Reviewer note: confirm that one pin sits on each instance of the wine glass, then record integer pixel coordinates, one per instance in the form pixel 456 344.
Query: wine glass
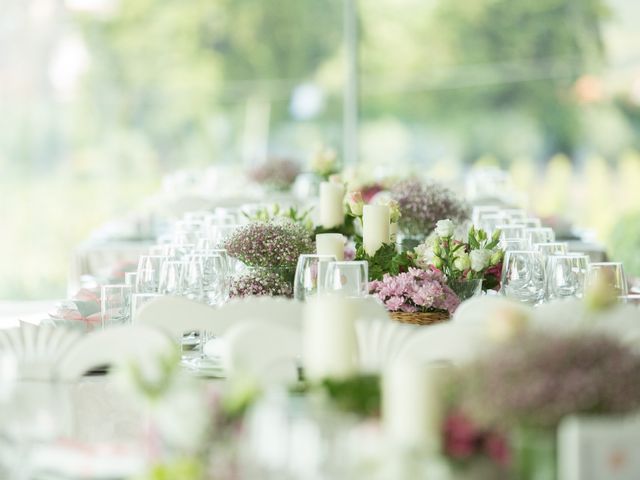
pixel 531 222
pixel 566 276
pixel 523 276
pixel 311 272
pixel 170 282
pixel 509 232
pixel 514 244
pixel 610 274
pixel 540 235
pixel 115 305
pixel 206 278
pixel 348 278
pixel 148 273
pixel 551 248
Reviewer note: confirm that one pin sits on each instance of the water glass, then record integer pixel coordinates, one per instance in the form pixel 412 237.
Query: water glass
pixel 610 274
pixel 131 278
pixel 218 234
pixel 540 235
pixel 514 244
pixel 490 222
pixel 566 276
pixel 551 248
pixel 479 212
pixel 509 232
pixel 531 222
pixel 523 276
pixel 170 282
pixel 348 278
pixel 311 273
pixel 148 273
pixel 116 305
pixel 514 215
pixel 206 278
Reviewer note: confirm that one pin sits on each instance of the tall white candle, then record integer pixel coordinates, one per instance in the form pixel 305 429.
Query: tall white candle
pixel 330 244
pixel 411 405
pixel 331 204
pixel 329 337
pixel 375 227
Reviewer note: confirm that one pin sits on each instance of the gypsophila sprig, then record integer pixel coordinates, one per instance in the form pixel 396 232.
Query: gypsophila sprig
pixel 538 381
pixel 270 244
pixel 415 291
pixel 423 204
pixel 260 282
pixel 277 173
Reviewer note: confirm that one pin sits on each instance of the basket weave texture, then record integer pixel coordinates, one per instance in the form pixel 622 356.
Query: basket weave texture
pixel 420 318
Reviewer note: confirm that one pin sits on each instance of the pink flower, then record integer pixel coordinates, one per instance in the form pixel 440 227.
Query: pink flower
pixel 394 303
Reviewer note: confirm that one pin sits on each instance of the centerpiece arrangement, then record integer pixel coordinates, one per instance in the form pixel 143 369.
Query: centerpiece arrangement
pixel 276 173
pixel 469 263
pixel 270 251
pixel 422 205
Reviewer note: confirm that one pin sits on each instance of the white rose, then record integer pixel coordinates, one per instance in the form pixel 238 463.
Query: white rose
pixel 462 262
pixel 424 255
pixel 480 259
pixel 444 228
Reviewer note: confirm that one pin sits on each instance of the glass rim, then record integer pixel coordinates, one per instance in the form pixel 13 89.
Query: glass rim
pixel 316 255
pixel 351 262
pixel 115 285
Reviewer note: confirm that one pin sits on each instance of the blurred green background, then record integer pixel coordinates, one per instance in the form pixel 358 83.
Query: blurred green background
pixel 100 98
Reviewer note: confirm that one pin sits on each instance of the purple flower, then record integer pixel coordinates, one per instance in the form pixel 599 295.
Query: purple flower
pixel 260 282
pixel 422 205
pixel 415 291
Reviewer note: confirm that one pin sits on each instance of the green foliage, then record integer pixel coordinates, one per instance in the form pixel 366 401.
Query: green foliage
pixel 348 228
pixel 267 214
pixel 386 260
pixel 180 469
pixel 624 243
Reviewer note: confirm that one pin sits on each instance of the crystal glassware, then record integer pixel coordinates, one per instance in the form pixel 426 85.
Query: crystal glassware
pixel 552 248
pixel 116 305
pixel 610 274
pixel 566 276
pixel 509 232
pixel 170 282
pixel 540 235
pixel 311 272
pixel 348 278
pixel 523 276
pixel 148 273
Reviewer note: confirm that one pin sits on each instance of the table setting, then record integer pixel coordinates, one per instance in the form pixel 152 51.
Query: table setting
pixel 395 330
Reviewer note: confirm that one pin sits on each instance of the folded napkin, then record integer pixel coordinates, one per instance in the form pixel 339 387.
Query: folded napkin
pixel 83 310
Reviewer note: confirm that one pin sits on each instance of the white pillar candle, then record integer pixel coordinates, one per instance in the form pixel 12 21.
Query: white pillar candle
pixel 375 227
pixel 411 406
pixel 331 204
pixel 330 244
pixel 329 337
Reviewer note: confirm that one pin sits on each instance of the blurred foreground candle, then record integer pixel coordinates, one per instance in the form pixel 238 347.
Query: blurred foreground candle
pixel 375 227
pixel 329 339
pixel 331 204
pixel 330 244
pixel 411 405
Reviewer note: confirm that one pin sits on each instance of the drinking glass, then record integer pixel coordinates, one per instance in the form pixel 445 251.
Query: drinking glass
pixel 514 215
pixel 551 248
pixel 491 221
pixel 116 305
pixel 523 276
pixel 481 211
pixel 610 274
pixel 206 278
pixel 514 244
pixel 218 234
pixel 131 278
pixel 311 273
pixel 509 232
pixel 170 281
pixel 148 273
pixel 566 276
pixel 138 300
pixel 349 278
pixel 540 235
pixel 531 222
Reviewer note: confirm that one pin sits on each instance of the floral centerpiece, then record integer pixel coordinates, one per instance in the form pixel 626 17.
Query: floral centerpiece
pixel 416 291
pixel 422 205
pixel 467 262
pixel 270 250
pixel 276 173
pixel 527 387
pixel 325 163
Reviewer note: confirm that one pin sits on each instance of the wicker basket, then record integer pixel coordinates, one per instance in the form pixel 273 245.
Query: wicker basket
pixel 420 318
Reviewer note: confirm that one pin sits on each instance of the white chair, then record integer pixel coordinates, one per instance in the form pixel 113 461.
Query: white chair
pixel 176 315
pixel 268 352
pixel 113 346
pixel 381 341
pixel 445 342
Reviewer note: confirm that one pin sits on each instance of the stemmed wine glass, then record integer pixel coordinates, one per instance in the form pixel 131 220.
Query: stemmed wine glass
pixel 523 276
